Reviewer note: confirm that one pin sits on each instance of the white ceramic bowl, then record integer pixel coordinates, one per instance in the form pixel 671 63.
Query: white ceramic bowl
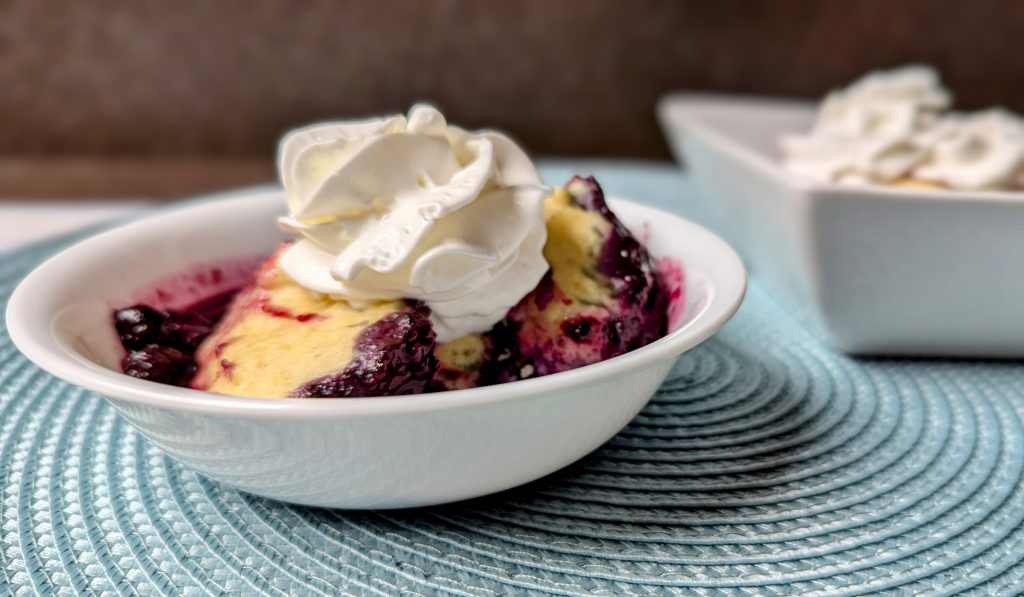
pixel 349 453
pixel 878 270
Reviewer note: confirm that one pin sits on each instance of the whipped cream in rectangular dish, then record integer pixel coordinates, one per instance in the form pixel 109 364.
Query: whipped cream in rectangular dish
pixel 896 128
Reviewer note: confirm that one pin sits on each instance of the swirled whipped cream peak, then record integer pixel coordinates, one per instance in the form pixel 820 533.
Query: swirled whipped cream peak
pixel 409 207
pixel 894 127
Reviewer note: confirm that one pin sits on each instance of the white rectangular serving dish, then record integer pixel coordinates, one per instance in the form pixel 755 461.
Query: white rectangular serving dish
pixel 875 270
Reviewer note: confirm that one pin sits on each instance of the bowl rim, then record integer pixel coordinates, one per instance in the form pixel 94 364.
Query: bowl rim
pixel 727 292
pixel 681 114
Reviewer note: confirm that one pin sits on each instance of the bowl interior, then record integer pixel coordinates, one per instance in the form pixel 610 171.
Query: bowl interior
pixel 175 258
pixel 61 314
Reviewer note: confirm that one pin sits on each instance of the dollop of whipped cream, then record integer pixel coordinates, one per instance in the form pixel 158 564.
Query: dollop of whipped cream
pixel 871 131
pixel 981 150
pixel 412 208
pixel 894 125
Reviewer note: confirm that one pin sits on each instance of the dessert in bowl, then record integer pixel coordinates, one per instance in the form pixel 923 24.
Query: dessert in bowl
pixel 896 128
pixel 602 296
pixel 433 445
pixel 877 253
pixel 429 258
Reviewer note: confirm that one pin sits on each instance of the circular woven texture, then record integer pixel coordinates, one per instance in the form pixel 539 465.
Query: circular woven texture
pixel 765 465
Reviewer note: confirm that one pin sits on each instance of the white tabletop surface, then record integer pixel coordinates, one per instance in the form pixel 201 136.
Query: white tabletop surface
pixel 23 221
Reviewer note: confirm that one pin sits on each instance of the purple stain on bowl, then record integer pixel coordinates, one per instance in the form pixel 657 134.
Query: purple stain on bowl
pixel 182 290
pixel 673 277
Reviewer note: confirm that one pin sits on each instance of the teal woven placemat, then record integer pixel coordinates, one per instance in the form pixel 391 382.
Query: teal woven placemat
pixel 765 465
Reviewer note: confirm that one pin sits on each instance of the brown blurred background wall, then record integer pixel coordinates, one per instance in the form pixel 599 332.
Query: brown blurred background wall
pixel 142 97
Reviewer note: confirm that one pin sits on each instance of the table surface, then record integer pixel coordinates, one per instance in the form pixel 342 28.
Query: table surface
pixel 766 464
pixel 24 221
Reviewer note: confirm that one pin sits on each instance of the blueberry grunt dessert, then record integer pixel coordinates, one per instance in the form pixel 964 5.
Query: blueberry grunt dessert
pixel 427 258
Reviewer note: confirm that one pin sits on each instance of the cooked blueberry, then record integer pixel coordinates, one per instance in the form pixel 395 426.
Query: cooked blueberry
pixel 589 195
pixel 139 325
pixel 505 359
pixel 161 344
pixel 185 330
pixel 578 328
pixel 161 364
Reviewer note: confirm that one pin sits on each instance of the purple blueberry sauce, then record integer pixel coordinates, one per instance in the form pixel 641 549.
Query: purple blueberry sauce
pixel 544 292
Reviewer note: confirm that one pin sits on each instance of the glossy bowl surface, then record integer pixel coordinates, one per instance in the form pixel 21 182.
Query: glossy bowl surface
pixel 349 453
